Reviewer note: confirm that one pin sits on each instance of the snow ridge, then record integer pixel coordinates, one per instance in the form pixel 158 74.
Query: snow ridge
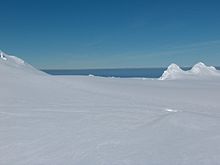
pixel 12 59
pixel 199 70
pixel 172 71
pixel 14 65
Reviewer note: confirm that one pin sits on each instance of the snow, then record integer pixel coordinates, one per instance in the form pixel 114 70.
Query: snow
pixel 2 56
pixel 171 110
pixel 93 120
pixel 13 65
pixel 172 72
pixel 198 71
pixel 201 68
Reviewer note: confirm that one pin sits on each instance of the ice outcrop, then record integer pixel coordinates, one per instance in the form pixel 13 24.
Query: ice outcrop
pixel 14 65
pixel 198 71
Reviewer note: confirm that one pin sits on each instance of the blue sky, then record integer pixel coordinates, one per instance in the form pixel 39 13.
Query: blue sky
pixel 75 34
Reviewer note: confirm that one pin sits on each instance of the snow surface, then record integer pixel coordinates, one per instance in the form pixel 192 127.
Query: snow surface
pixel 198 71
pixel 66 120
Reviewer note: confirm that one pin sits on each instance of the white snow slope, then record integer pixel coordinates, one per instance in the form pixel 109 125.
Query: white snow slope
pixel 66 120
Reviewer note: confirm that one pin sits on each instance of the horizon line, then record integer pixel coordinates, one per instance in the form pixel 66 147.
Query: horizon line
pixel 186 67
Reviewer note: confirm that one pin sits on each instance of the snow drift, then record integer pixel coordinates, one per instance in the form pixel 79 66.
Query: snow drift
pixel 198 71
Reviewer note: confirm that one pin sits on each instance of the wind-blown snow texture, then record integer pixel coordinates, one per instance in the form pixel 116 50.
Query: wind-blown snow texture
pixel 92 120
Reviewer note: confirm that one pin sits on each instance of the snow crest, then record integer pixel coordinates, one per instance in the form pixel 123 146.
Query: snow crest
pixel 199 70
pixel 17 60
pixel 14 65
pixel 172 71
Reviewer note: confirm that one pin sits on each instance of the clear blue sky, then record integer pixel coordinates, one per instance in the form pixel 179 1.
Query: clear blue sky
pixel 111 33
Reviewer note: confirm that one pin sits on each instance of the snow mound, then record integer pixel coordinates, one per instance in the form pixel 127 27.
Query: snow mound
pixel 198 71
pixel 201 68
pixel 14 65
pixel 172 72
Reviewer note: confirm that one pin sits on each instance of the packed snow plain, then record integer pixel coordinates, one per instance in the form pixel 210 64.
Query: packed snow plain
pixel 89 120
